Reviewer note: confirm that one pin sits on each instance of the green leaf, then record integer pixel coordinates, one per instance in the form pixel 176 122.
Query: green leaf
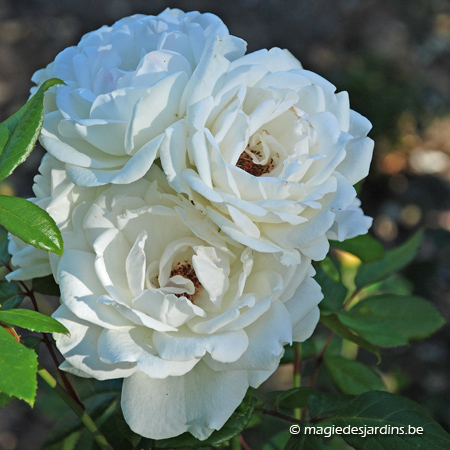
pixel 318 403
pixel 4 399
pixel 30 223
pixel 277 442
pixel 32 342
pixel 19 133
pixel 117 430
pixel 293 398
pixel 365 247
pixel 10 295
pixel 371 272
pixel 4 242
pixel 352 377
pixel 100 407
pixel 18 367
pixel 381 409
pixel 391 320
pixel 334 292
pixel 32 320
pixel 304 441
pixel 235 424
pixel 333 322
pixel 46 285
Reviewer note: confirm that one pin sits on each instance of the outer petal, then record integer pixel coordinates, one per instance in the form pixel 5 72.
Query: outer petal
pixel 79 348
pixel 199 402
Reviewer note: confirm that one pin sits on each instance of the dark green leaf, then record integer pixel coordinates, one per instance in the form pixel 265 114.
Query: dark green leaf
pixel 277 442
pixel 235 424
pixel 352 377
pixel 4 242
pixel 318 403
pixel 116 430
pixel 4 399
pixel 32 342
pixel 391 320
pixel 371 272
pixel 19 133
pixel 293 398
pixel 365 247
pixel 333 322
pixel 304 441
pixel 32 320
pixel 334 292
pixel 68 443
pixel 381 409
pixel 30 223
pixel 18 367
pixel 100 407
pixel 10 295
pixel 46 285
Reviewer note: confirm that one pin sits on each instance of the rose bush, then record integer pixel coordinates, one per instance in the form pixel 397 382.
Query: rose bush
pixel 153 293
pixel 193 186
pixel 125 84
pixel 270 152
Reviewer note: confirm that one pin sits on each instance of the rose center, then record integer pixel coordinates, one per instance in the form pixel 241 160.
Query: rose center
pixel 186 271
pixel 251 165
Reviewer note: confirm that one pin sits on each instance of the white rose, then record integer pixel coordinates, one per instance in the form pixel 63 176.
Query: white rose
pixel 152 293
pixel 126 84
pixel 270 153
pixel 56 194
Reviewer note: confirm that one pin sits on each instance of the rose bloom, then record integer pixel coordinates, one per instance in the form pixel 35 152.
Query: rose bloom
pixel 58 195
pixel 154 294
pixel 126 84
pixel 269 152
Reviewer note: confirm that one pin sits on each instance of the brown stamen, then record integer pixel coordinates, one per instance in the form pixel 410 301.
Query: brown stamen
pixel 245 162
pixel 186 271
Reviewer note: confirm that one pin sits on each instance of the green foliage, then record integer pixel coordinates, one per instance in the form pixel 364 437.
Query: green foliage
pixel 391 320
pixel 373 414
pixel 18 367
pixel 333 322
pixel 352 309
pixel 4 254
pixel 304 442
pixel 46 285
pixel 352 377
pixel 32 320
pixel 394 260
pixel 19 133
pixel 11 295
pixel 365 247
pixel 378 409
pixel 334 292
pixel 101 405
pixel 4 399
pixel 30 223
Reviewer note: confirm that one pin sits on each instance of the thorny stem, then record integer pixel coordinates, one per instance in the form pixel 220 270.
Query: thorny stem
pixel 76 408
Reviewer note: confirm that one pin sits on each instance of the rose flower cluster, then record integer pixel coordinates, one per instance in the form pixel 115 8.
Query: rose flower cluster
pixel 193 184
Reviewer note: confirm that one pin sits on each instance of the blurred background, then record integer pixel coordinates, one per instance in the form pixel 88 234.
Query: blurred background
pixel 392 56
